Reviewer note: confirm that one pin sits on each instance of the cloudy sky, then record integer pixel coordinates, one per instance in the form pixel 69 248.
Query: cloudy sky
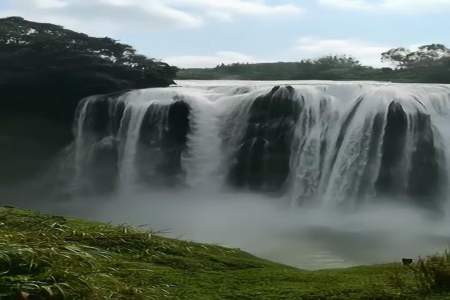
pixel 204 33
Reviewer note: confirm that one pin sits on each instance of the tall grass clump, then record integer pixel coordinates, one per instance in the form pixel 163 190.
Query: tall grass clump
pixel 432 274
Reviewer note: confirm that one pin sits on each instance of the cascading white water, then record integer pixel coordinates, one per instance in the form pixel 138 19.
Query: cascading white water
pixel 201 160
pixel 335 142
pixel 249 165
pixel 130 135
pixel 79 144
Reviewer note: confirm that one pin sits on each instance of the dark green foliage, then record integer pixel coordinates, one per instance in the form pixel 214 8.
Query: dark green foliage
pixel 433 273
pixel 28 143
pixel 427 278
pixel 47 69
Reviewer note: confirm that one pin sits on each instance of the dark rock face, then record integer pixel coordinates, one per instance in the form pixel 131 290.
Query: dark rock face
pixel 392 163
pixel 427 173
pixel 262 160
pixel 103 166
pixel 117 113
pixel 424 179
pixel 98 117
pixel 100 133
pixel 162 141
pixel 103 116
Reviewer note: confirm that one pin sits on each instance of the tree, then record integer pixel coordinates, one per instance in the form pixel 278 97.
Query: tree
pixel 47 69
pixel 424 56
pixel 397 56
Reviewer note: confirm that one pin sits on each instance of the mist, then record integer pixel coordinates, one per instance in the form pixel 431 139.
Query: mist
pixel 305 237
pixel 314 175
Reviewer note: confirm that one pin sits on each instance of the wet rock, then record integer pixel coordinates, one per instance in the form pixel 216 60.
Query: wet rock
pixel 162 141
pixel 426 175
pixel 262 160
pixel 103 116
pixel 416 169
pixel 102 167
pixel 389 180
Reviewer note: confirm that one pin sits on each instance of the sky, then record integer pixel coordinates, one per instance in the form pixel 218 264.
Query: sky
pixel 204 33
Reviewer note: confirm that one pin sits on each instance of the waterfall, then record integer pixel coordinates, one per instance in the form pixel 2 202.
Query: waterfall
pixel 202 159
pixel 129 134
pixel 317 143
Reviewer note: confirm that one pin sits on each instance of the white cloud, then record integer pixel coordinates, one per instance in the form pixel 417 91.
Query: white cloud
pixel 242 7
pixel 396 6
pixel 347 4
pixel 209 61
pixel 105 17
pixel 367 53
pixel 228 10
pixel 304 48
pixel 49 3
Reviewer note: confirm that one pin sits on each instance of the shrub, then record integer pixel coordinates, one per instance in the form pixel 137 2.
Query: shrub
pixel 432 274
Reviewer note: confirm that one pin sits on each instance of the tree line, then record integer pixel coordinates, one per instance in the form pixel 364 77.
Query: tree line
pixel 428 64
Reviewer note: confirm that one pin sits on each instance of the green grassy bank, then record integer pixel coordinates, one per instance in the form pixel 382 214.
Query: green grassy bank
pixel 53 257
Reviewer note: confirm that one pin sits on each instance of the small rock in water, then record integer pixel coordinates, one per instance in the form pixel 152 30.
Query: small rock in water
pixel 407 261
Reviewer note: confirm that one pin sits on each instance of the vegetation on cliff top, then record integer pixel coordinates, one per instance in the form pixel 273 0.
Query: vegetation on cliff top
pixel 53 257
pixel 428 64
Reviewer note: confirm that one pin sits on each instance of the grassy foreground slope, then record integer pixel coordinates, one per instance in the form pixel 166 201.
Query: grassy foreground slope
pixel 53 257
